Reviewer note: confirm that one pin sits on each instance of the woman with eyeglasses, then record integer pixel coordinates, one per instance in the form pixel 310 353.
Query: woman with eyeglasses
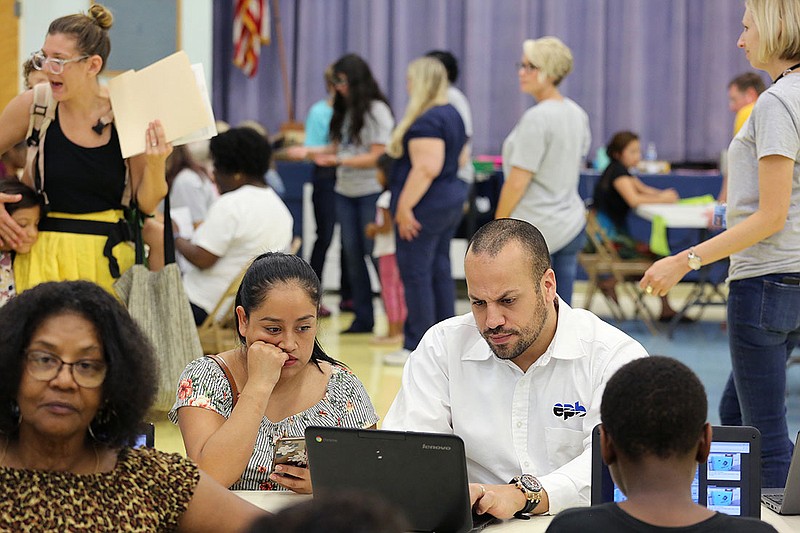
pixel 77 377
pixel 85 179
pixel 542 158
pixel 361 125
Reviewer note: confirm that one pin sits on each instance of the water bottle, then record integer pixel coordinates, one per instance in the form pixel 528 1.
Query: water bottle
pixel 651 158
pixel 651 154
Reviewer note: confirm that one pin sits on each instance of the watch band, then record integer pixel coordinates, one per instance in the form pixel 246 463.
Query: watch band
pixel 532 495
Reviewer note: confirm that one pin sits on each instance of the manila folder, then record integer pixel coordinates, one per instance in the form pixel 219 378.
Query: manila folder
pixel 167 91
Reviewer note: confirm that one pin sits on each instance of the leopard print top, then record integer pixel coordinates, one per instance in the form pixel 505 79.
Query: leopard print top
pixel 148 490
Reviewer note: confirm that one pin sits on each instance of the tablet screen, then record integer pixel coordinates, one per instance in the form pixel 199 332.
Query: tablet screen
pixel 728 482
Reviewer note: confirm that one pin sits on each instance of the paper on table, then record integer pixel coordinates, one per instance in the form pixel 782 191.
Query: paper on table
pixel 168 91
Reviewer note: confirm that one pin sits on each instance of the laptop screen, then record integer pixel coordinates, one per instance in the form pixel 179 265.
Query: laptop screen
pixel 728 482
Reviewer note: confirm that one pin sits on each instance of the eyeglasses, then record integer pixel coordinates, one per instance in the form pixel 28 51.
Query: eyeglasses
pixel 527 67
pixel 87 373
pixel 340 81
pixel 39 61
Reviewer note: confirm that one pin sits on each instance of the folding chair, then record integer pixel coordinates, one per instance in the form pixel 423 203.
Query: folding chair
pixel 218 331
pixel 622 270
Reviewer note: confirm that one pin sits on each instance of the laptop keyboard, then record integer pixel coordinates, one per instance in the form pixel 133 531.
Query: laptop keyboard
pixel 777 498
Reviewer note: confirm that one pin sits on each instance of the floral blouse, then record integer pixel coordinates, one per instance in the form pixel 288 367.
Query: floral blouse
pixel 345 404
pixel 7 289
pixel 147 490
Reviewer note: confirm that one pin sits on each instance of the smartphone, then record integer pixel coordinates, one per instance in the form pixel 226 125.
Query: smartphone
pixel 290 451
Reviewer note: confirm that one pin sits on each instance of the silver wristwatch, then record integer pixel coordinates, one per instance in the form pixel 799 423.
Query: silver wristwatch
pixel 694 260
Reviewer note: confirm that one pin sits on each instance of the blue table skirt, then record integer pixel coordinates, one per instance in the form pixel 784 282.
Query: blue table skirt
pixel 687 183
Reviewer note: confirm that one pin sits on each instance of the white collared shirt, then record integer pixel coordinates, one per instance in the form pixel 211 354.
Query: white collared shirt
pixel 537 422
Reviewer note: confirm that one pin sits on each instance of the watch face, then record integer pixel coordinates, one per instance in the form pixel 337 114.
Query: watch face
pixel 530 483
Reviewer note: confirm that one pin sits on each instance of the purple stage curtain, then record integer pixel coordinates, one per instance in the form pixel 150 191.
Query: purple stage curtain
pixel 657 67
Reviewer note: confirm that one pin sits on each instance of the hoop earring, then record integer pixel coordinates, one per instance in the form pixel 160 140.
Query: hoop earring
pixel 16 413
pixel 102 418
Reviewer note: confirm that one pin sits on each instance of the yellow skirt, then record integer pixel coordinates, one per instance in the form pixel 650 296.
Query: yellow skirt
pixel 60 256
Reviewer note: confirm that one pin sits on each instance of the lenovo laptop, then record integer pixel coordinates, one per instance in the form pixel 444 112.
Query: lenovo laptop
pixel 422 474
pixel 728 482
pixel 786 501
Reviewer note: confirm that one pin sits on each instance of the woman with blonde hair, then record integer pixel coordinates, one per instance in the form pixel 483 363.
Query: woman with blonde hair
pixel 542 159
pixel 762 239
pixel 427 198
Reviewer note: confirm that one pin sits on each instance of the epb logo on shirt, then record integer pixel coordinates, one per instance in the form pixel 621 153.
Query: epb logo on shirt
pixel 568 410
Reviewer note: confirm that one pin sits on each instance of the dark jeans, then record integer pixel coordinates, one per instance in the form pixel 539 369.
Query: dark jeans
pixel 427 277
pixel 353 215
pixel 324 200
pixel 764 328
pixel 565 265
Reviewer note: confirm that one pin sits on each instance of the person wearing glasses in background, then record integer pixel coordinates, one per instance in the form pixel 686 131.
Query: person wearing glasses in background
pixel 542 158
pixel 361 126
pixel 78 377
pixel 86 176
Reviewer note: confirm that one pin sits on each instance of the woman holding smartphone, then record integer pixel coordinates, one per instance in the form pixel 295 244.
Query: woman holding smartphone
pixel 762 239
pixel 235 408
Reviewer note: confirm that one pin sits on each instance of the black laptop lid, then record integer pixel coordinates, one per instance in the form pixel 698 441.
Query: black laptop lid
pixel 423 474
pixel 728 482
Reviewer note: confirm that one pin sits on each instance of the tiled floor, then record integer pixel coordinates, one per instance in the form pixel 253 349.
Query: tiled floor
pixel 703 346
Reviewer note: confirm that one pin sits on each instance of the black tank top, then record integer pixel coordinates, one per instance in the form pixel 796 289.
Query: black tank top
pixel 82 180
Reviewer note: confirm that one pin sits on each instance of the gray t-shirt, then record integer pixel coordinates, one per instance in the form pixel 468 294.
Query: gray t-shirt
pixel 378 125
pixel 460 102
pixel 551 140
pixel 772 129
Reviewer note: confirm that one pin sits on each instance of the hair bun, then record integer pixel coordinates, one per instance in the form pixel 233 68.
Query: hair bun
pixel 101 16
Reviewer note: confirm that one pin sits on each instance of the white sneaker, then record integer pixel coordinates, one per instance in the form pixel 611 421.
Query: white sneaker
pixel 397 358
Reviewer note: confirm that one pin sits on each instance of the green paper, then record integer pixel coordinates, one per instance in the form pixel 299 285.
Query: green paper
pixel 658 237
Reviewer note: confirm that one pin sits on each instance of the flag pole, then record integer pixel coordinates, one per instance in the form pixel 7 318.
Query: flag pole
pixel 287 90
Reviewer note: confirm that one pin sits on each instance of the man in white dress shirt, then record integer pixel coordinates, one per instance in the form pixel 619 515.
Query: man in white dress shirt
pixel 519 379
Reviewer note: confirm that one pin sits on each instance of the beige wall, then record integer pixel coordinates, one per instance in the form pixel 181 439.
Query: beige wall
pixel 9 39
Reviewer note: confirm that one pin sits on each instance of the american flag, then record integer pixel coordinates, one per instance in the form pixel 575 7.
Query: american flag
pixel 250 30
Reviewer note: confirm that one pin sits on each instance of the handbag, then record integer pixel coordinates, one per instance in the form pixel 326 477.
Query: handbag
pixel 159 305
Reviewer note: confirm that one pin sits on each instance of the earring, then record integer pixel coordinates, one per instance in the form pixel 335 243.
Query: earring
pixel 16 413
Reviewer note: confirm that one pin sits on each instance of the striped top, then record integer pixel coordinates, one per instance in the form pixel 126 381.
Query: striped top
pixel 345 404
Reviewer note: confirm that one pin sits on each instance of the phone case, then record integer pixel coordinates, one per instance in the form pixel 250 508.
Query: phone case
pixel 291 451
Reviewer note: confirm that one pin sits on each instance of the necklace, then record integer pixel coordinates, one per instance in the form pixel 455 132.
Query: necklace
pixel 94 448
pixel 785 72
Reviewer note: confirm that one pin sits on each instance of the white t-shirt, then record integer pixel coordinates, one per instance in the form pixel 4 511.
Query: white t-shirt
pixel 384 242
pixel 772 129
pixel 537 422
pixel 190 189
pixel 460 102
pixel 240 225
pixel 551 140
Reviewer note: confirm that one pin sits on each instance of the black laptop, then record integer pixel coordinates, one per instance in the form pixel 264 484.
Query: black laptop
pixel 786 501
pixel 423 474
pixel 728 482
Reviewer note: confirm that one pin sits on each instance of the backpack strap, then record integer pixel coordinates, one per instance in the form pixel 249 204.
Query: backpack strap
pixel 43 112
pixel 224 366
